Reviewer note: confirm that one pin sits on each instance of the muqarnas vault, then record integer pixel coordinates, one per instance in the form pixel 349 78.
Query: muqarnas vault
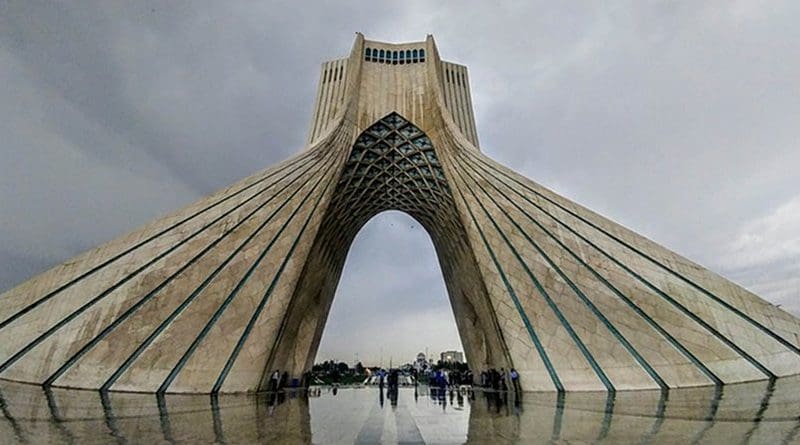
pixel 215 296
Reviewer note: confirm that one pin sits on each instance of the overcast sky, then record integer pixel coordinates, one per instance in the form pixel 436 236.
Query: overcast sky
pixel 680 120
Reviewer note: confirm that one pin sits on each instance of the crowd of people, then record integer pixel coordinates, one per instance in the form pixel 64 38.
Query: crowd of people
pixel 392 379
pixel 496 380
pixel 490 379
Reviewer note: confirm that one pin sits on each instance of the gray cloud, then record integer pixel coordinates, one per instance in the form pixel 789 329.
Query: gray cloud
pixel 678 120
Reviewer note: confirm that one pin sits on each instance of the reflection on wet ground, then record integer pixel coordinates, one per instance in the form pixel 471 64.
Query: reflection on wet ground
pixel 754 413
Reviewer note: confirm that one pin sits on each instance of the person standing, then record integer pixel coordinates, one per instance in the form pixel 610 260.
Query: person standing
pixel 515 380
pixel 273 381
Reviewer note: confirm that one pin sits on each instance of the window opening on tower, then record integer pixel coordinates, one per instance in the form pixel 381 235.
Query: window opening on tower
pixel 401 57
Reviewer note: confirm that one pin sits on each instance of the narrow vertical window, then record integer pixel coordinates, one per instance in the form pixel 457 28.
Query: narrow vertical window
pixel 394 57
pixel 416 56
pixel 402 57
pixel 422 55
pixel 408 56
pixel 368 54
pixel 381 57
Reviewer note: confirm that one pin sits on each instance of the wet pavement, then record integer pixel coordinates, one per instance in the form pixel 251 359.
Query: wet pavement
pixel 754 413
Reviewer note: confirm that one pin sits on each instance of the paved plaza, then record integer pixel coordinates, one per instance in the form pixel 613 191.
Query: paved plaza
pixel 745 413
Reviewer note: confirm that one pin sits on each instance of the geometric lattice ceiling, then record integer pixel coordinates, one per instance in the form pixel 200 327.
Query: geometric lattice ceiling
pixel 393 166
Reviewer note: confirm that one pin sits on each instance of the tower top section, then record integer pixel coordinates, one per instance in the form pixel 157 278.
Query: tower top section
pixel 378 78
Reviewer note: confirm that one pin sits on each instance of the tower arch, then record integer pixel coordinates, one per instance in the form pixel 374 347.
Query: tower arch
pixel 393 165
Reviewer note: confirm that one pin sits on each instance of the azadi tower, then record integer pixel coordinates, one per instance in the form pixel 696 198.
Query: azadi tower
pixel 216 296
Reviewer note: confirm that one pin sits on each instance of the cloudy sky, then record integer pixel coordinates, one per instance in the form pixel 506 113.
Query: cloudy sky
pixel 680 120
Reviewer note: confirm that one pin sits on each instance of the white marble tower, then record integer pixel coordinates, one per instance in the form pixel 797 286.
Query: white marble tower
pixel 217 295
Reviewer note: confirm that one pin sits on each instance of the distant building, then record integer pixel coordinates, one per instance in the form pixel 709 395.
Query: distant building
pixel 452 357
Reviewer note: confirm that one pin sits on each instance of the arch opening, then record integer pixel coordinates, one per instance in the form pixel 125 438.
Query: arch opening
pixel 391 302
